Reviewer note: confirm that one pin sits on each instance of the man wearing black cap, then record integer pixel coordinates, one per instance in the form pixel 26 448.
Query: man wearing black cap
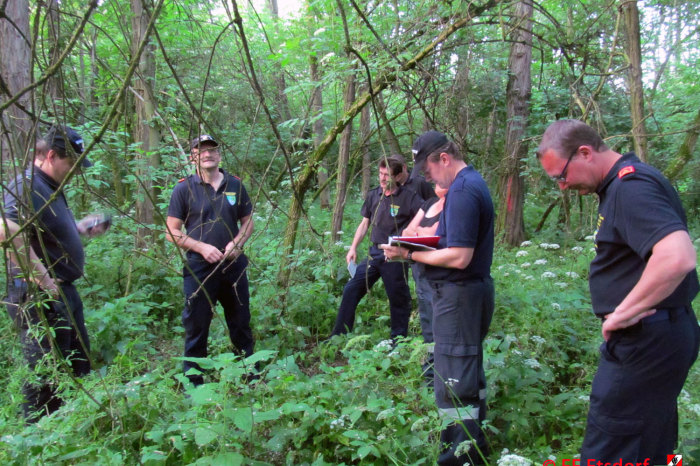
pixel 215 210
pixel 42 300
pixel 459 272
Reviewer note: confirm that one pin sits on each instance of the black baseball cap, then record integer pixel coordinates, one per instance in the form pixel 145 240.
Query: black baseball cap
pixel 196 142
pixel 424 145
pixel 56 139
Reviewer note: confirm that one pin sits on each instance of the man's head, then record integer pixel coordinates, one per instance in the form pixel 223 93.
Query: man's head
pixel 574 155
pixel 424 145
pixel 204 152
pixel 58 151
pixel 442 164
pixel 402 176
pixel 389 169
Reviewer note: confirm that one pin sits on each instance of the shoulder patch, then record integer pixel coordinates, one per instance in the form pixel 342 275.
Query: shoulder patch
pixel 236 177
pixel 624 171
pixel 181 180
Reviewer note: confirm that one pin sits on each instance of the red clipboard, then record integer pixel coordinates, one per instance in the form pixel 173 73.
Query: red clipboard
pixel 415 243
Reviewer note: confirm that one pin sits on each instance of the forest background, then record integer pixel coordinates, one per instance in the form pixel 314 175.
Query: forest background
pixel 304 105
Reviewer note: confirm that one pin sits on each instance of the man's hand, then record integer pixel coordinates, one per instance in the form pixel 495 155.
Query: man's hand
pixel 393 252
pixel 351 256
pixel 232 251
pixel 93 225
pixel 50 286
pixel 613 322
pixel 210 253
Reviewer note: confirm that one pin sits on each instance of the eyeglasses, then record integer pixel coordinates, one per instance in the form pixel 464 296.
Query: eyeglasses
pixel 561 178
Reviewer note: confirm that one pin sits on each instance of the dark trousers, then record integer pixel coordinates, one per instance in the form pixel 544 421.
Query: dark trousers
pixel 642 369
pixel 58 328
pixel 393 274
pixel 462 315
pixel 227 285
pixel 424 296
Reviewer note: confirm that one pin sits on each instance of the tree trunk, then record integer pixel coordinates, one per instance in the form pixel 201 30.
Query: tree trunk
pixel 55 83
pixel 633 48
pixel 146 133
pixel 365 131
pixel 341 185
pixel 283 102
pixel 15 63
pixel 510 220
pixel 318 130
pixel 685 151
pixel 391 138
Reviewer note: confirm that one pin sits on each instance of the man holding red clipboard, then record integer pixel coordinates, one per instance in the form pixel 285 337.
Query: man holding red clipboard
pixel 459 272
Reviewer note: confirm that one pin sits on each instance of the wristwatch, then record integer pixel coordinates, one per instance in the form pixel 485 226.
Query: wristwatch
pixel 410 255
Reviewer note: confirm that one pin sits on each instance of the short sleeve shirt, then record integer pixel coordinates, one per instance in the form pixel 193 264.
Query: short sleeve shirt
pixel 638 207
pixel 54 237
pixel 423 188
pixel 389 214
pixel 466 221
pixel 210 216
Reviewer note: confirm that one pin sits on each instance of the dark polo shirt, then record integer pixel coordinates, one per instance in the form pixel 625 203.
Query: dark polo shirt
pixel 53 235
pixel 389 215
pixel 210 216
pixel 466 221
pixel 638 208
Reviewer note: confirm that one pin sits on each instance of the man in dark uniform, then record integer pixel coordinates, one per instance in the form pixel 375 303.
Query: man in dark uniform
pixel 387 210
pixel 42 300
pixel 459 272
pixel 214 208
pixel 642 282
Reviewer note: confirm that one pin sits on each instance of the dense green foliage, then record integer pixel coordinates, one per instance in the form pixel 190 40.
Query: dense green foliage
pixel 351 400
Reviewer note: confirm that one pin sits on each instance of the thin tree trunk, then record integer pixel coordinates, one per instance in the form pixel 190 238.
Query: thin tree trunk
pixel 343 158
pixel 510 220
pixel 685 151
pixel 633 48
pixel 318 130
pixel 15 63
pixel 283 102
pixel 55 83
pixel 146 132
pixel 365 131
pixel 391 138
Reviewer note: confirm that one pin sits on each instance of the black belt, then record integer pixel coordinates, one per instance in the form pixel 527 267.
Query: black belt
pixel 661 315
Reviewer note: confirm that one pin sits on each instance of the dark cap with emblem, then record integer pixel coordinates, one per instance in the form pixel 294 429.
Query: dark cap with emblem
pixel 424 146
pixel 201 140
pixel 57 136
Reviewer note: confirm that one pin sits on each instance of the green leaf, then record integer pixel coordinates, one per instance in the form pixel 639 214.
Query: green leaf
pixel 243 418
pixel 204 436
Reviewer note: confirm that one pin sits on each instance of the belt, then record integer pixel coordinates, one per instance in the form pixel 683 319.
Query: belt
pixel 437 284
pixel 661 315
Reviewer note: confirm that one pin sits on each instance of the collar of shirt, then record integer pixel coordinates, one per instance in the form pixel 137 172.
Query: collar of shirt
pixel 626 159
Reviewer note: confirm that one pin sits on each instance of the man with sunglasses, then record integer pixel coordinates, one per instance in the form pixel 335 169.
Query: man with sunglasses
pixel 214 208
pixel 642 282
pixel 45 257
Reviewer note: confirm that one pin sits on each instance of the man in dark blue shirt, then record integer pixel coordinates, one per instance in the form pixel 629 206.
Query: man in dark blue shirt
pixel 459 272
pixel 642 282
pixel 387 210
pixel 36 215
pixel 215 210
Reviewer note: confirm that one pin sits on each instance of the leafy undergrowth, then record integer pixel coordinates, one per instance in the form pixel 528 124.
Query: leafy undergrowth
pixel 350 400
